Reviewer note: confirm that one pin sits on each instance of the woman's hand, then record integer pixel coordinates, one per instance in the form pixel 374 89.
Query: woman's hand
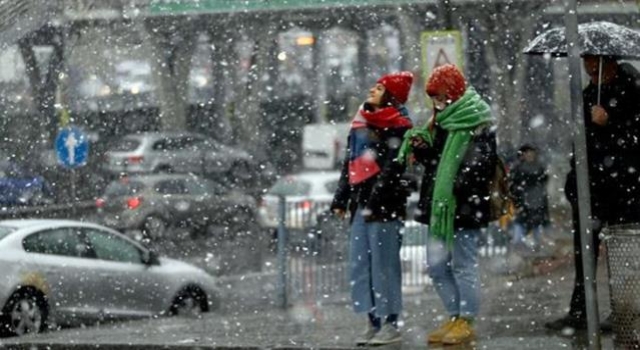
pixel 418 142
pixel 340 213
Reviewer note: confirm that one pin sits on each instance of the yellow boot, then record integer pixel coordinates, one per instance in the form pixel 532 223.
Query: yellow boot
pixel 461 332
pixel 437 335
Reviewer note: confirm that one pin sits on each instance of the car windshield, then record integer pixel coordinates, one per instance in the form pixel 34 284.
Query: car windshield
pixel 124 188
pixel 125 145
pixel 291 186
pixel 5 231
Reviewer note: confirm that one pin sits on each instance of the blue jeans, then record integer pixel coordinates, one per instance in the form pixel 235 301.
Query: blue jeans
pixel 455 272
pixel 375 269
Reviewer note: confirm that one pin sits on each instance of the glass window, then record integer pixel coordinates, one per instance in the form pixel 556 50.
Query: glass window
pixel 172 187
pixel 110 247
pixel 331 186
pixel 124 188
pixel 290 186
pixel 62 241
pixel 125 145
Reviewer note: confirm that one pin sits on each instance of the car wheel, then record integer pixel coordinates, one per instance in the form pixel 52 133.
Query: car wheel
pixel 154 228
pixel 26 313
pixel 191 302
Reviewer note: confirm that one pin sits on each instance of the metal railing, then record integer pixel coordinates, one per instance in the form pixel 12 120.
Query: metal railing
pixel 313 249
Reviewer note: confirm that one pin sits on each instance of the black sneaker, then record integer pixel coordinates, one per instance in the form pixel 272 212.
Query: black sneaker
pixel 567 321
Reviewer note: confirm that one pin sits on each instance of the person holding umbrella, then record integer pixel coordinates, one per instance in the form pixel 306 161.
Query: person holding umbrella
pixel 612 123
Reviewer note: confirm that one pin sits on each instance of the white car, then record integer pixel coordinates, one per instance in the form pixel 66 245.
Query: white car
pixel 307 194
pixel 67 272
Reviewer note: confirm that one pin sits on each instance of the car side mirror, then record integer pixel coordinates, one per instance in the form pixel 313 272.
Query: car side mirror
pixel 150 258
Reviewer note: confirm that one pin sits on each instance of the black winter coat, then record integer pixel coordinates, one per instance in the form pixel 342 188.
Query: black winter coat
pixel 613 150
pixel 471 187
pixel 384 194
pixel 528 186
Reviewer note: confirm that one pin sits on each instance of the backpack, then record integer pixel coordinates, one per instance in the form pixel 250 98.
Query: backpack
pixel 500 200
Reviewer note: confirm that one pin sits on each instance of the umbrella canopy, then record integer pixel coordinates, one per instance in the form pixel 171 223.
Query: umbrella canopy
pixel 596 38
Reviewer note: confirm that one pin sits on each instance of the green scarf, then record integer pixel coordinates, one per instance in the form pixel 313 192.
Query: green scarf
pixel 459 119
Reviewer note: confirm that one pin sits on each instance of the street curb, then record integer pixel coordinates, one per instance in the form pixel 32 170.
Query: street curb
pixel 57 346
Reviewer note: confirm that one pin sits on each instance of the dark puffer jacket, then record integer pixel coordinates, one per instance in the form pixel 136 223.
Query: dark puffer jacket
pixel 613 150
pixel 384 194
pixel 471 187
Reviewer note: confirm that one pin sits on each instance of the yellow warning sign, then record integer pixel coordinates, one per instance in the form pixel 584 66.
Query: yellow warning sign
pixel 441 47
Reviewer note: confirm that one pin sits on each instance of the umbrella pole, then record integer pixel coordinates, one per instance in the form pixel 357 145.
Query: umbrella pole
pixel 582 175
pixel 599 79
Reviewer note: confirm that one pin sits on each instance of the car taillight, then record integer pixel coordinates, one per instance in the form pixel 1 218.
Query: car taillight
pixel 134 202
pixel 135 159
pixel 100 202
pixel 305 205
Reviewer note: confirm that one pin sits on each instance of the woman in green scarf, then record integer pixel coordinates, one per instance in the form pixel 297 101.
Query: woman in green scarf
pixel 457 148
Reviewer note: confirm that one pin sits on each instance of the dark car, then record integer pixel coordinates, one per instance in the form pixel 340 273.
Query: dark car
pixel 155 203
pixel 17 187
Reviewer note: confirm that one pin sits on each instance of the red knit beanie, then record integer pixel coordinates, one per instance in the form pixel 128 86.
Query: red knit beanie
pixel 448 80
pixel 398 85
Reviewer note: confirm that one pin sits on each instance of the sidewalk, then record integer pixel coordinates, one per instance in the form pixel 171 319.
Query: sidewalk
pixel 512 317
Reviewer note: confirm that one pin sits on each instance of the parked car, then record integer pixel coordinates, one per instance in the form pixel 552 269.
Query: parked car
pixel 176 152
pixel 19 188
pixel 153 203
pixel 307 194
pixel 324 145
pixel 67 272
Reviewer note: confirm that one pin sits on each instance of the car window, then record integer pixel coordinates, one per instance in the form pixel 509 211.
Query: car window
pixel 173 144
pixel 62 241
pixel 205 144
pixel 125 145
pixel 331 186
pixel 213 187
pixel 124 188
pixel 5 231
pixel 108 246
pixel 290 186
pixel 172 187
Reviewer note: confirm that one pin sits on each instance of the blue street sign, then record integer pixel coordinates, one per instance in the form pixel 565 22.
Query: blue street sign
pixel 72 147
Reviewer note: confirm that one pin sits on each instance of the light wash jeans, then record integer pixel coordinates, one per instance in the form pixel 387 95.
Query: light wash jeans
pixel 455 272
pixel 375 269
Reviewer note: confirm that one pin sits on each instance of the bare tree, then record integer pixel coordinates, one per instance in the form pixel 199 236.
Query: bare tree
pixel 507 28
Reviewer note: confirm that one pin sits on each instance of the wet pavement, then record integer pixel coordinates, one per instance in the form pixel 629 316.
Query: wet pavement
pixel 512 317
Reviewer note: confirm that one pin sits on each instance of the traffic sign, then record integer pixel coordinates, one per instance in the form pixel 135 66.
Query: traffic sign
pixel 72 147
pixel 441 47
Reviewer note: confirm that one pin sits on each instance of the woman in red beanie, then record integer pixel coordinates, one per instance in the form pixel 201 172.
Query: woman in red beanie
pixel 458 151
pixel 370 188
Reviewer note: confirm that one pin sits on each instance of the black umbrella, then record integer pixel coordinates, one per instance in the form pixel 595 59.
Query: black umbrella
pixel 596 39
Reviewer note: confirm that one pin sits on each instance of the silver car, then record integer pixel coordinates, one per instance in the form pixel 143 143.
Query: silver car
pixel 58 272
pixel 182 152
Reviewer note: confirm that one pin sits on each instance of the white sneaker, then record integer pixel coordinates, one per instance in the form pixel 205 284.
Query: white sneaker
pixel 388 334
pixel 366 335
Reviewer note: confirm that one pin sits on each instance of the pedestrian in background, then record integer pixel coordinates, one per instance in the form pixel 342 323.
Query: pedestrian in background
pixel 612 124
pixel 458 151
pixel 528 187
pixel 372 189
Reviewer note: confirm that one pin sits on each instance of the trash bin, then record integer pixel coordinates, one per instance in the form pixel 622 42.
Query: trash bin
pixel 623 259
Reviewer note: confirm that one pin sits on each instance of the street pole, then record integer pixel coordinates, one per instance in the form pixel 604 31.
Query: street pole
pixel 582 174
pixel 282 253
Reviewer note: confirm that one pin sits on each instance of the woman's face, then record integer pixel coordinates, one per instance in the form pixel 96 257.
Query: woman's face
pixel 440 102
pixel 375 95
